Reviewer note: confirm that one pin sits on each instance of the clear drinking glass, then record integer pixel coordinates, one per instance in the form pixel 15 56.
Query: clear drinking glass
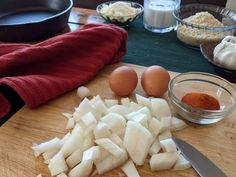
pixel 158 15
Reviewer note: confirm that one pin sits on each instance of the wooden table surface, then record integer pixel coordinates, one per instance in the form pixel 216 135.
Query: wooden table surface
pixel 217 141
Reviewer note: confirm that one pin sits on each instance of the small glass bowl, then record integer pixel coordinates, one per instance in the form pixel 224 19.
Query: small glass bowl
pixel 122 21
pixel 200 82
pixel 193 35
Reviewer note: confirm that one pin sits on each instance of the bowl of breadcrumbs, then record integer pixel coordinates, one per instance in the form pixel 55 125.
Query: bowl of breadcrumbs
pixel 203 23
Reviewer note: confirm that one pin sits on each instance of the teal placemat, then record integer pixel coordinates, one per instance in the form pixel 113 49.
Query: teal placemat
pixel 147 48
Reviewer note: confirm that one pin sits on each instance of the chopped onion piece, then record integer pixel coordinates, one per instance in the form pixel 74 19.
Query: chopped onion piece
pixel 142 119
pixel 88 141
pixel 95 99
pixel 168 145
pixel 70 123
pixel 89 121
pixel 116 139
pixel 57 164
pixel 115 122
pixel 146 111
pixel 177 124
pixel 182 163
pixel 165 122
pixel 65 138
pixel 62 175
pixel 84 107
pixel 91 154
pixel 100 108
pixel 110 162
pixel 50 145
pixel 73 143
pixel 82 170
pixel 119 109
pixel 102 155
pixel 164 135
pixel 155 147
pixel 125 102
pixel 160 108
pixel 130 115
pixel 129 169
pixel 155 126
pixel 110 102
pixel 101 130
pixel 75 158
pixel 67 115
pixel 39 175
pixel 48 155
pixel 137 142
pixel 111 147
pixel 163 161
pixel 134 106
pixel 83 92
pixel 143 101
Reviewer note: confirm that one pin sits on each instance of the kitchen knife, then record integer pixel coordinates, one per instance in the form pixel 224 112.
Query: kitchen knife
pixel 203 166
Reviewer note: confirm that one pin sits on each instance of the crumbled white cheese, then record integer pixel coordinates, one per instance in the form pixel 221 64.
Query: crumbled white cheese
pixel 120 11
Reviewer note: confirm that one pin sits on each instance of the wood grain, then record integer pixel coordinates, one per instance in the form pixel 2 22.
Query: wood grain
pixel 217 141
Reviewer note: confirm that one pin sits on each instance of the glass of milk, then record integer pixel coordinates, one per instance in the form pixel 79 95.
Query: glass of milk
pixel 158 16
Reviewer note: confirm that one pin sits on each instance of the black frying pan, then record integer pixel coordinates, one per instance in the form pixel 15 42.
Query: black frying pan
pixel 27 20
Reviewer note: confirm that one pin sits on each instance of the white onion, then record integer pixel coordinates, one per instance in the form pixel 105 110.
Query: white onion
pixel 110 102
pixel 57 164
pixel 165 135
pixel 137 142
pixel 110 146
pixel 101 130
pixel 70 123
pixel 50 145
pixel 62 175
pixel 143 101
pixel 115 122
pixel 163 161
pixel 125 101
pixel 83 92
pixel 91 154
pixel 177 124
pixel 82 170
pixel 155 147
pixel 168 145
pixel 155 126
pixel 181 163
pixel 75 158
pixel 104 122
pixel 129 169
pixel 160 108
pixel 73 143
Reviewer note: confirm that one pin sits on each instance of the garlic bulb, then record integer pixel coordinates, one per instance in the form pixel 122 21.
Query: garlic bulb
pixel 225 53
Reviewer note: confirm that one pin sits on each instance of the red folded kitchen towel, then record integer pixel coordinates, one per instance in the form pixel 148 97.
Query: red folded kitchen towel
pixel 40 72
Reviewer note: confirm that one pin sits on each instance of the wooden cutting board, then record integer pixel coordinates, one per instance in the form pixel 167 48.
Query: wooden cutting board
pixel 217 141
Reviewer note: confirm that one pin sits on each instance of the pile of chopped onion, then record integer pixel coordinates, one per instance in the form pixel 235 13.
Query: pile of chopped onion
pixel 105 135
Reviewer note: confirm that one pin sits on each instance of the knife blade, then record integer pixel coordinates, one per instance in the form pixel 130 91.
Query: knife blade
pixel 203 166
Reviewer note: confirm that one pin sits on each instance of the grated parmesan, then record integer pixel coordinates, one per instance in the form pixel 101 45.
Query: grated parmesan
pixel 120 11
pixel 195 37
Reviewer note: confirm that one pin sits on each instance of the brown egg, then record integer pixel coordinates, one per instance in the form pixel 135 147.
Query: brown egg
pixel 123 80
pixel 155 80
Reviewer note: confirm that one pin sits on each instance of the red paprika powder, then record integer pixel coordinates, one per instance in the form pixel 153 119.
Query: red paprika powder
pixel 201 100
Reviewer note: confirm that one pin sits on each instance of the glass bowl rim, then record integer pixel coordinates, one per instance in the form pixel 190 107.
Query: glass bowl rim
pixel 186 106
pixel 225 28
pixel 111 2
